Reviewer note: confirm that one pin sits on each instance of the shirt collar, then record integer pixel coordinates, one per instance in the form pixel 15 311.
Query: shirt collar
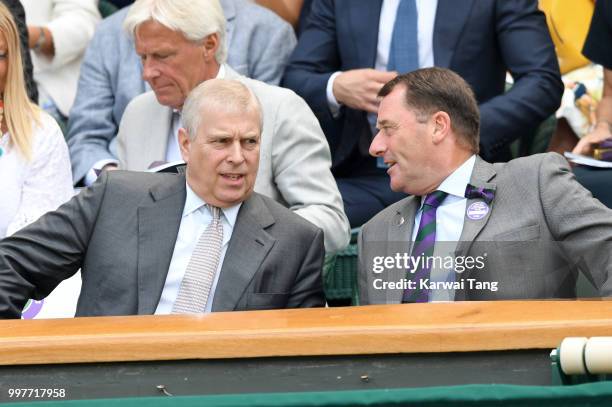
pixel 458 180
pixel 193 203
pixel 221 73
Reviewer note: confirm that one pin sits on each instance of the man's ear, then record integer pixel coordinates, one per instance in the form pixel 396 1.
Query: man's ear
pixel 210 45
pixel 184 144
pixel 441 126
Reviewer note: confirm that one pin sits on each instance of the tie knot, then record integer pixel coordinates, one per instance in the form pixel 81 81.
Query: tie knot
pixel 215 211
pixel 486 194
pixel 434 199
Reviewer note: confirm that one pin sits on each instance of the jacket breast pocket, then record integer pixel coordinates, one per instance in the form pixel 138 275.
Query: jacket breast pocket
pixel 519 246
pixel 521 234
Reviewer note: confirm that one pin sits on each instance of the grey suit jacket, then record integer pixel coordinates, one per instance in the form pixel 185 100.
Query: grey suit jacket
pixel 542 228
pixel 121 233
pixel 294 164
pixel 258 42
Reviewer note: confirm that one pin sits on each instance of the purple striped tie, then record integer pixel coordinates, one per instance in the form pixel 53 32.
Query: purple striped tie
pixel 424 247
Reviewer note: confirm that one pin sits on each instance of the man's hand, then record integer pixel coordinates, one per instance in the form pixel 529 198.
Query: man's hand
pixel 601 132
pixel 603 128
pixel 358 88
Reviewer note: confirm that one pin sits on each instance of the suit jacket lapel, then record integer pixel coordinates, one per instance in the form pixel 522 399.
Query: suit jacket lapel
pixel 400 236
pixel 481 177
pixel 451 17
pixel 248 247
pixel 365 36
pixel 156 135
pixel 402 222
pixel 158 225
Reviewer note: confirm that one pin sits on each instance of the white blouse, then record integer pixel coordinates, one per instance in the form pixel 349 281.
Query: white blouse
pixel 28 189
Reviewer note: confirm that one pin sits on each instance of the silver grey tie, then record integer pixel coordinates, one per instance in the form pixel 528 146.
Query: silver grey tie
pixel 200 273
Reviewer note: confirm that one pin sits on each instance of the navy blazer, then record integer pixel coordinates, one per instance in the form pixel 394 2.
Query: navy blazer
pixel 480 40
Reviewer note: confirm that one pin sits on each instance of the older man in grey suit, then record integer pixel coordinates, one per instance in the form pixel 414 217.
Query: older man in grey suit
pixel 472 230
pixel 295 157
pixel 259 44
pixel 166 243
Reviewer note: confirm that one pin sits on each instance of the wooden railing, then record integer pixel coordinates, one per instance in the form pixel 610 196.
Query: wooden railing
pixel 410 328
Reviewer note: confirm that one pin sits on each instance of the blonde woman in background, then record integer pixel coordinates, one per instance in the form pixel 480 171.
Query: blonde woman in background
pixel 35 172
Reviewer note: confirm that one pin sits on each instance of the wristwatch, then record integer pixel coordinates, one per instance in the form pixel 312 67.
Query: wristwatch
pixel 42 39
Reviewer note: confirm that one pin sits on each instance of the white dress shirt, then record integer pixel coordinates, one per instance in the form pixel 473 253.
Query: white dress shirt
pixel 426 11
pixel 173 151
pixel 196 217
pixel 450 217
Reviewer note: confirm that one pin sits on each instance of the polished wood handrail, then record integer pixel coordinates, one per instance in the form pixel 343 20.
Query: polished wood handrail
pixel 380 329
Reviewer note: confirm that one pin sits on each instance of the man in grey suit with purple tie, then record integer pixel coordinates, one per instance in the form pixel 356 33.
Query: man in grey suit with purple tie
pixel 472 230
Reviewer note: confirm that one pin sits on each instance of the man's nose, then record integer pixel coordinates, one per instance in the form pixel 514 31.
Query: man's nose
pixel 377 147
pixel 236 153
pixel 149 70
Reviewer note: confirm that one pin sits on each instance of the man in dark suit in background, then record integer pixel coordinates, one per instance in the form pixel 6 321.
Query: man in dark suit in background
pixel 165 243
pixel 346 53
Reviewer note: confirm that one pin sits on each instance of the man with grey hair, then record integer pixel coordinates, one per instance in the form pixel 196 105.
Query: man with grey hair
pixel 166 243
pixel 259 44
pixel 295 162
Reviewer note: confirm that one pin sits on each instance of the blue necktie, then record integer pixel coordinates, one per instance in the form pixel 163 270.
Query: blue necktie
pixel 404 51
